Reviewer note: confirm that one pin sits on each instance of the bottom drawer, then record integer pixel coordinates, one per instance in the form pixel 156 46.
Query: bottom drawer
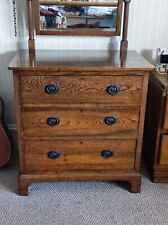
pixel 164 150
pixel 79 154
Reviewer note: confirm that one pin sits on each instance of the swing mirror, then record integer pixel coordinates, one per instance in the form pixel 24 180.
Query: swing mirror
pixel 78 17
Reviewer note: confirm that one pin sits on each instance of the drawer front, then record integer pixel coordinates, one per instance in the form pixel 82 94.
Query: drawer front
pixel 164 150
pixel 58 122
pixel 79 154
pixel 81 89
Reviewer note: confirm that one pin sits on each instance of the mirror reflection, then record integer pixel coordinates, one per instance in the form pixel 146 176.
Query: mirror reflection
pixel 77 16
pixel 103 1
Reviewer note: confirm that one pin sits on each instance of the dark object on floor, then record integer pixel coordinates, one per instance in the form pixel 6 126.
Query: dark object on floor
pixel 5 147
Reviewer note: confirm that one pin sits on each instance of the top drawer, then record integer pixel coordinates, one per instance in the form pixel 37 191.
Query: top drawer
pixel 120 90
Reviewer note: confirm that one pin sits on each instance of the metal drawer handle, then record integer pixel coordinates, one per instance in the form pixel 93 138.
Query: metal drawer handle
pixel 53 121
pixel 53 155
pixel 110 120
pixel 51 89
pixel 107 153
pixel 113 89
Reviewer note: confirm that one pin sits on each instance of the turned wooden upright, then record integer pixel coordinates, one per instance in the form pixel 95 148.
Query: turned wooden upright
pixel 124 42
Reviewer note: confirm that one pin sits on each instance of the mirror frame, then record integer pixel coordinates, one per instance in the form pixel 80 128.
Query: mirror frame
pixel 78 31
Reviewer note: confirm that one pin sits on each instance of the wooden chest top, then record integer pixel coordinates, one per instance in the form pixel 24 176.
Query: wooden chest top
pixel 81 60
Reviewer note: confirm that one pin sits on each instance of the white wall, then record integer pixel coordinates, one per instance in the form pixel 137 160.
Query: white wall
pixel 147 31
pixel 8 46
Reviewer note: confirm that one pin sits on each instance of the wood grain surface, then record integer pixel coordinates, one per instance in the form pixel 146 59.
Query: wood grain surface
pixel 80 89
pixel 85 60
pixel 80 122
pixel 165 119
pixel 79 154
pixel 155 136
pixel 134 179
pixel 164 150
pixel 81 104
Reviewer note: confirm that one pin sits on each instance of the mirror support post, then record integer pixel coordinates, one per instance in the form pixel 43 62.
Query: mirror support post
pixel 124 41
pixel 31 41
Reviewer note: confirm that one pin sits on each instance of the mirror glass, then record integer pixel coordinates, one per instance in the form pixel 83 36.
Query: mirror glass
pixel 86 14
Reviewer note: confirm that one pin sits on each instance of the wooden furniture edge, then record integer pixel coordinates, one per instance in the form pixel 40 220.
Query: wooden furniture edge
pixel 141 123
pixel 134 179
pixel 160 177
pixel 18 119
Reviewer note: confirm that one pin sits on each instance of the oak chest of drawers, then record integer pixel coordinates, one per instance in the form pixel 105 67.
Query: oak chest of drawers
pixel 80 116
pixel 155 146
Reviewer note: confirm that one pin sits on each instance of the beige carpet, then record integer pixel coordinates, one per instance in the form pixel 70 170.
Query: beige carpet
pixel 85 203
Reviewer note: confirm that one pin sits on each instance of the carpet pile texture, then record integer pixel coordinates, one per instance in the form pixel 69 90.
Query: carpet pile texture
pixel 81 203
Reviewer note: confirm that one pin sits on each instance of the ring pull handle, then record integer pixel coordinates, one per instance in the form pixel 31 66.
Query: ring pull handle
pixel 110 120
pixel 53 121
pixel 53 155
pixel 51 89
pixel 113 89
pixel 107 153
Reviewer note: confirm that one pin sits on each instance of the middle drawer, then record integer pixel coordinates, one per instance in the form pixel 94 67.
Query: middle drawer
pixel 118 122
